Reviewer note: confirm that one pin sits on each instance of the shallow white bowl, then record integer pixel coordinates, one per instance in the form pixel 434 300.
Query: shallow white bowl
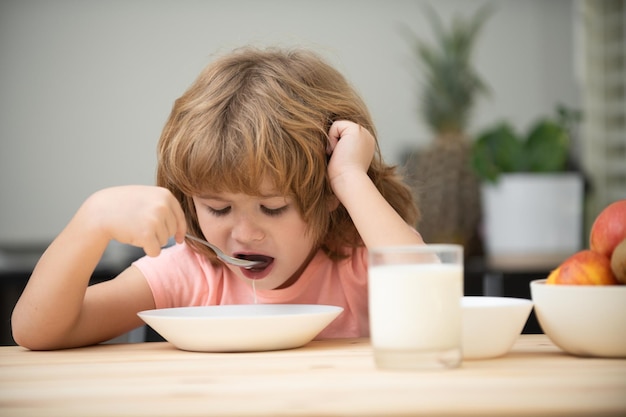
pixel 583 320
pixel 491 325
pixel 240 328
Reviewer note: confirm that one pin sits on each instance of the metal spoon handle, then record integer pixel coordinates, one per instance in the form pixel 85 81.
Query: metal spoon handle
pixel 244 263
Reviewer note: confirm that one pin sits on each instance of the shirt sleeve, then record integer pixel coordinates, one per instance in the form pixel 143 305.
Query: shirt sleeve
pixel 177 277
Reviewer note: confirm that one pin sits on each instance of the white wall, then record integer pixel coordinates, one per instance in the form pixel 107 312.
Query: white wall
pixel 86 86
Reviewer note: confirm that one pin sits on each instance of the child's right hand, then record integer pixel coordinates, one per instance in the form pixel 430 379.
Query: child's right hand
pixel 142 216
pixel 351 147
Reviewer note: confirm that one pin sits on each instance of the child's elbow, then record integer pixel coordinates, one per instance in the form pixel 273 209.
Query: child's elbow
pixel 20 335
pixel 26 336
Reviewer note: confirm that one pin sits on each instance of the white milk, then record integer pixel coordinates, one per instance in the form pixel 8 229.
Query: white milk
pixel 416 307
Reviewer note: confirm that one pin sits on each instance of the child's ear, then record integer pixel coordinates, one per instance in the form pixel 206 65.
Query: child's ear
pixel 333 203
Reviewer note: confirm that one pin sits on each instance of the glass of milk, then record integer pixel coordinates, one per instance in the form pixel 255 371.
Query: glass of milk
pixel 415 295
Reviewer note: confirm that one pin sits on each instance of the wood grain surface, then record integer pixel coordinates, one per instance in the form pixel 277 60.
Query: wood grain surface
pixel 335 378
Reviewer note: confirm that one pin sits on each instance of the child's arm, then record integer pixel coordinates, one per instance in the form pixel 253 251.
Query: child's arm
pixel 377 222
pixel 58 309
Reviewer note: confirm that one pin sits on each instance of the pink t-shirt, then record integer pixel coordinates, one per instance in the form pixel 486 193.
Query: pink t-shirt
pixel 180 277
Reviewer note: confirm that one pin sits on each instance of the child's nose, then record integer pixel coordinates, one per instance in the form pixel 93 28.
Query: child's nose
pixel 247 230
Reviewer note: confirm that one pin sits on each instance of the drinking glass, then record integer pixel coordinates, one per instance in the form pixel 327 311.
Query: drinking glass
pixel 415 295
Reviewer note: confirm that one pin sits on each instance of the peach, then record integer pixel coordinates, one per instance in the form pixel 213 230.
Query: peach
pixel 609 228
pixel 618 262
pixel 584 268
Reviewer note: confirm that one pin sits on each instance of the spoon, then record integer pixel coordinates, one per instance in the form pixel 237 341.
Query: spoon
pixel 244 263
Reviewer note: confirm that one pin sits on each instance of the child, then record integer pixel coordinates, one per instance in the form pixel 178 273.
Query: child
pixel 269 155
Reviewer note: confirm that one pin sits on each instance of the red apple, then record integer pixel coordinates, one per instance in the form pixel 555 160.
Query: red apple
pixel 618 262
pixel 609 228
pixel 584 268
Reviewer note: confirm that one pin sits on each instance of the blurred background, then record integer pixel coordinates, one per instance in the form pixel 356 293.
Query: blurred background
pixel 86 86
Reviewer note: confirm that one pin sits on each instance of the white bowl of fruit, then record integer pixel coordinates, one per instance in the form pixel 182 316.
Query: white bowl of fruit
pixel 581 306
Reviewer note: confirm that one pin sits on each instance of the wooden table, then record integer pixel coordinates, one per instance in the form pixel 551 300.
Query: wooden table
pixel 323 378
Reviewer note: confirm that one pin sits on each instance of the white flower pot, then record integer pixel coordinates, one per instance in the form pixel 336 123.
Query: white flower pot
pixel 532 220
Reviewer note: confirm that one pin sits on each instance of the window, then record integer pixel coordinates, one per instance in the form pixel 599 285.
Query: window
pixel 604 98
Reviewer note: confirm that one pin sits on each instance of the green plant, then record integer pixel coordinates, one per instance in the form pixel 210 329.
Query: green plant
pixel 499 149
pixel 445 186
pixel 451 83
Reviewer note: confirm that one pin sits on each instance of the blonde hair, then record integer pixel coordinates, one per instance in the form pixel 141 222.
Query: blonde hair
pixel 265 114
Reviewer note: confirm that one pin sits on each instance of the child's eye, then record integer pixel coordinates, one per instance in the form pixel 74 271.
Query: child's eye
pixel 274 211
pixel 219 212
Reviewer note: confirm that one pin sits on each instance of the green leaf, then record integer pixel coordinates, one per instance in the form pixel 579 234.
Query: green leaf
pixel 496 151
pixel 547 147
pixel 451 83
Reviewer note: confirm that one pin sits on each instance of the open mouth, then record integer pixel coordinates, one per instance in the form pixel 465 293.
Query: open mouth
pixel 263 261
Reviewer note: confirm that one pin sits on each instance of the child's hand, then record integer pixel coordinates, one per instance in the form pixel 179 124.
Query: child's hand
pixel 351 147
pixel 142 216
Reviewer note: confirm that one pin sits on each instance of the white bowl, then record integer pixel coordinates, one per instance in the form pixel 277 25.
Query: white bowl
pixel 240 328
pixel 583 320
pixel 491 325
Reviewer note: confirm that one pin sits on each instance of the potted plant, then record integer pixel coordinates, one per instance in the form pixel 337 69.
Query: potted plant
pixel 441 175
pixel 532 200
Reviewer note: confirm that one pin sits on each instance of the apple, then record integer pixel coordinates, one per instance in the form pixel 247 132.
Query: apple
pixel 609 228
pixel 618 262
pixel 584 268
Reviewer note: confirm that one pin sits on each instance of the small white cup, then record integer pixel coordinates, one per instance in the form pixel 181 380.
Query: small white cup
pixel 415 295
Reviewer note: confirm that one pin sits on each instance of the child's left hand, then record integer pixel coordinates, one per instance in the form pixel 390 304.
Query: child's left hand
pixel 351 147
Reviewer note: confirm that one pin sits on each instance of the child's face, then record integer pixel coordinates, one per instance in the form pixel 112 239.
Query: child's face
pixel 268 226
